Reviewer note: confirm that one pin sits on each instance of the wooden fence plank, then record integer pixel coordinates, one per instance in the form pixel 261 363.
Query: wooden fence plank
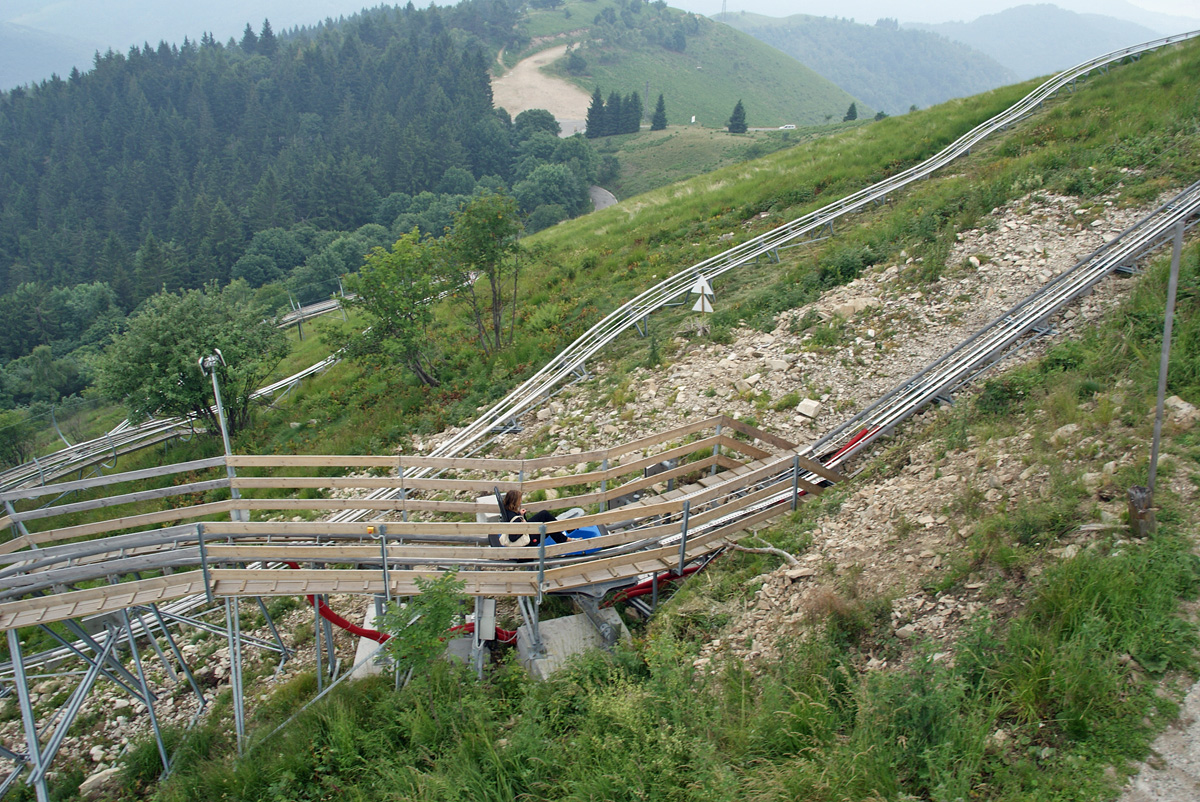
pixel 111 479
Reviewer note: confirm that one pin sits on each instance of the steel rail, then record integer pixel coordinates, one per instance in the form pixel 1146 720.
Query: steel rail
pixel 570 360
pixel 998 337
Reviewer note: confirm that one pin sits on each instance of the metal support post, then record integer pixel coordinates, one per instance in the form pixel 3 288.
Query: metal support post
pixel 89 660
pixel 683 531
pixel 716 452
pixel 69 714
pixel 32 747
pixel 147 696
pixel 403 494
pixel 541 561
pixel 795 482
pixel 233 625
pixel 316 602
pixel 18 526
pixel 187 671
pixel 654 593
pixel 330 651
pixel 604 485
pixel 383 554
pixel 1164 361
pixel 208 364
pixel 162 658
pixel 82 634
pixel 529 611
pixel 284 651
pixel 204 563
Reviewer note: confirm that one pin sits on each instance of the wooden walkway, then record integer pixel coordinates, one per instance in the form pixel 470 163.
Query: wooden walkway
pixel 102 549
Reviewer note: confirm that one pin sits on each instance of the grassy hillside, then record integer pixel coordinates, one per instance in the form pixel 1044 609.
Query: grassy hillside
pixel 715 68
pixel 1069 677
pixel 888 67
pixel 652 159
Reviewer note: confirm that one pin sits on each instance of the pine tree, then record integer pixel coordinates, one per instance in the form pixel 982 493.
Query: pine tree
pixel 267 43
pixel 851 113
pixel 737 120
pixel 631 114
pixel 595 116
pixel 659 121
pixel 249 39
pixel 612 114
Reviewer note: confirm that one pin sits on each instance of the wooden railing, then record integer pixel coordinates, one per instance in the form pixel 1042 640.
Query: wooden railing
pixel 732 477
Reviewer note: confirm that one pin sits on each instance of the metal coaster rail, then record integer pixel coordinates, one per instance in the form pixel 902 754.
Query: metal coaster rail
pixel 570 361
pixel 1004 334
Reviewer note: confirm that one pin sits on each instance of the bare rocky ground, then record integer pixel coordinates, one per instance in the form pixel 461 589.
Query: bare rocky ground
pixel 525 87
pixel 895 533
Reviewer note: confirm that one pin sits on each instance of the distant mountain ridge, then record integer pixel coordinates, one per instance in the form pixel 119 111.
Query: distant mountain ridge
pixel 888 67
pixel 1033 40
pixel 28 55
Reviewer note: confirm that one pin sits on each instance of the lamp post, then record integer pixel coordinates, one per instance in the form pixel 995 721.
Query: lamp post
pixel 208 366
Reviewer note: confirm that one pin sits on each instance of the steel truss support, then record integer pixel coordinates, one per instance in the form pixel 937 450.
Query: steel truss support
pixel 187 671
pixel 247 640
pixel 71 711
pixel 233 626
pixel 116 678
pixel 27 719
pixel 485 632
pixel 591 609
pixel 148 698
pixel 529 611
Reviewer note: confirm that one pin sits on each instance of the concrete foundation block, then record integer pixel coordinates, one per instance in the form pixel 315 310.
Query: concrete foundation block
pixel 561 638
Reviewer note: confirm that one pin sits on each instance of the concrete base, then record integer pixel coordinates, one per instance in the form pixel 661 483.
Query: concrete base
pixel 459 650
pixel 563 637
pixel 365 647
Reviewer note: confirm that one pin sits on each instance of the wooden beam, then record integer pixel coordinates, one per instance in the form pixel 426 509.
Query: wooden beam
pixel 111 479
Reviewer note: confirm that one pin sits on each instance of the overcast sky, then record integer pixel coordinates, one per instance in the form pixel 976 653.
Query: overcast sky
pixel 119 23
pixel 927 10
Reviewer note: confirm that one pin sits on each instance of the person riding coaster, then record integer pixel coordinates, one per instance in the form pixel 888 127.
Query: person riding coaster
pixel 511 511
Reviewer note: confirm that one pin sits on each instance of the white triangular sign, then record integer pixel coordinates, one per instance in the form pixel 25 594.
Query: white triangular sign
pixel 701 287
pixel 702 304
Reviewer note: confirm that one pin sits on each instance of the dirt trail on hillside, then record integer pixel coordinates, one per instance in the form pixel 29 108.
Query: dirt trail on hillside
pixel 526 87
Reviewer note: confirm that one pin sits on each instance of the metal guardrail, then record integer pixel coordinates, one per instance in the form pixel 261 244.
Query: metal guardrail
pixel 1005 333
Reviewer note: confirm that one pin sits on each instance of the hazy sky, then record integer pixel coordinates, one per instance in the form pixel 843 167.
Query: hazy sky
pixel 119 23
pixel 927 10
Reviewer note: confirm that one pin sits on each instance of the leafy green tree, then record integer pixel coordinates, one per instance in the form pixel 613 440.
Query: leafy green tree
pixel 418 628
pixel 737 120
pixel 483 245
pixel 395 287
pixel 152 367
pixel 532 121
pixel 16 438
pixel 659 121
pixel 551 183
pixel 851 113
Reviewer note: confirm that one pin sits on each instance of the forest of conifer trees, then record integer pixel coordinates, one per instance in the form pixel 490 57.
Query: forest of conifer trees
pixel 280 160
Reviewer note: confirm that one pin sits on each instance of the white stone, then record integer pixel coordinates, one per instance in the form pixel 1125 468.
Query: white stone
pixel 809 408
